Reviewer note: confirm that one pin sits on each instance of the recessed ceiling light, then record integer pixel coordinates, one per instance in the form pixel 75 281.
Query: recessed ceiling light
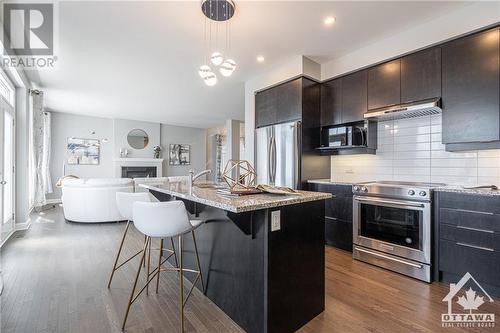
pixel 329 20
pixel 260 58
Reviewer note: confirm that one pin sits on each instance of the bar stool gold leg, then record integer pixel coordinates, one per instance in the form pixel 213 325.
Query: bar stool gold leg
pixel 148 239
pixel 118 254
pixel 144 263
pixel 149 266
pixel 198 262
pixel 181 286
pixel 159 265
pixel 175 253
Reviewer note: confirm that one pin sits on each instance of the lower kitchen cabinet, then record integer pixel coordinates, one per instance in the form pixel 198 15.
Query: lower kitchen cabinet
pixel 468 238
pixel 338 214
pixel 338 233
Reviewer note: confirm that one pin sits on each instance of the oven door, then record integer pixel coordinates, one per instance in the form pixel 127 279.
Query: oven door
pixel 398 227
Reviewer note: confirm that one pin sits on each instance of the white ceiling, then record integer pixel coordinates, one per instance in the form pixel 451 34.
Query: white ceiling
pixel 139 60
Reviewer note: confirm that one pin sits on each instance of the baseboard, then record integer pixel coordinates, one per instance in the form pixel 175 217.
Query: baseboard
pixel 23 226
pixel 7 238
pixel 54 201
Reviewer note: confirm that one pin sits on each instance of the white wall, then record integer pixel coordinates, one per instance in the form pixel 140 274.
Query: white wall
pixel 66 125
pixel 21 153
pixel 121 129
pixel 462 21
pixel 196 137
pixel 411 150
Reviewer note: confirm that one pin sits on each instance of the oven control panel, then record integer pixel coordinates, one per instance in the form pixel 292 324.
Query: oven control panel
pixel 419 193
pixel 362 189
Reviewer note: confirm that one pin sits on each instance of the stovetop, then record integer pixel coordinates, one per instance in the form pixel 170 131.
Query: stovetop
pixel 397 189
pixel 403 184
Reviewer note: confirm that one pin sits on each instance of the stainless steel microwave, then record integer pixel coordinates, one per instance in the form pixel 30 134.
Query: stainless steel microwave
pixel 346 136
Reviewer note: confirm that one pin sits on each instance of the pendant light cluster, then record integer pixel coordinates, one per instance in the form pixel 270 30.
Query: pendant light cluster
pixel 216 12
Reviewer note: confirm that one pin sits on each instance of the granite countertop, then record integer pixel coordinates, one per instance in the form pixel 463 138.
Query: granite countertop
pixel 328 182
pixel 206 194
pixel 460 189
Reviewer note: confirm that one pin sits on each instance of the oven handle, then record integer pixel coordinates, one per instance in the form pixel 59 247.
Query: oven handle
pixel 391 202
pixel 389 258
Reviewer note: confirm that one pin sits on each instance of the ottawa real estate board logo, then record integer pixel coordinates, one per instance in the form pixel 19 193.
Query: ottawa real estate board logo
pixel 28 36
pixel 469 295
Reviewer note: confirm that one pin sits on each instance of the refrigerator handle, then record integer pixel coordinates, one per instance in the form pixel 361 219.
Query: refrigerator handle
pixel 273 160
pixel 297 128
pixel 269 160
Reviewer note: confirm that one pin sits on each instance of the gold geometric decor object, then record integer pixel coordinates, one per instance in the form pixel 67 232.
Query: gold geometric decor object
pixel 245 175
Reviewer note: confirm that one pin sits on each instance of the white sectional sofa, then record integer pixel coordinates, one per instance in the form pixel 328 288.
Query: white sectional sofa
pixel 93 200
pixel 157 181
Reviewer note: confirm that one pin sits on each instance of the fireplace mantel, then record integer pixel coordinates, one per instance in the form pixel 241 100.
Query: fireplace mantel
pixel 138 159
pixel 137 162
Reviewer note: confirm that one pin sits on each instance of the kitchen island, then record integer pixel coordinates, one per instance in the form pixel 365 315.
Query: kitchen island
pixel 262 255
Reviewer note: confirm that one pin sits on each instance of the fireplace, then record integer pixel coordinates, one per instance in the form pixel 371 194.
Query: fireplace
pixel 138 172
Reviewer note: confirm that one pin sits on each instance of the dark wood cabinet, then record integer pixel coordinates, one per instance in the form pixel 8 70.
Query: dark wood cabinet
pixel 266 107
pixel 289 97
pixel 281 104
pixel 421 75
pixel 343 100
pixel 331 103
pixel 467 231
pixel 384 84
pixel 470 86
pixel 354 96
pixel 338 214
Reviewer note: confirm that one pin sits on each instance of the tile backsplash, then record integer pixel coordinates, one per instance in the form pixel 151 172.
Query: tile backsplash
pixel 411 150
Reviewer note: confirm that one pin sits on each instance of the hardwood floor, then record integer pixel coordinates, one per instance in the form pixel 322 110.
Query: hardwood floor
pixel 55 277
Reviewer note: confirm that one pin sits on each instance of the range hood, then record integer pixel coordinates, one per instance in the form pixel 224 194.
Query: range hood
pixel 408 110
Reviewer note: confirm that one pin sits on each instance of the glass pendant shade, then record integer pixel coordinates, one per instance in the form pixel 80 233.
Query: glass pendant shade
pixel 204 71
pixel 216 58
pixel 227 68
pixel 210 79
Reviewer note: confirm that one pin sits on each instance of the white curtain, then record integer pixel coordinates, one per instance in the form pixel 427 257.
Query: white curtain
pixel 40 150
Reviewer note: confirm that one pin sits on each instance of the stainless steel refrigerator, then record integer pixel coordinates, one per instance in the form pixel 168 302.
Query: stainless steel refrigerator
pixel 278 154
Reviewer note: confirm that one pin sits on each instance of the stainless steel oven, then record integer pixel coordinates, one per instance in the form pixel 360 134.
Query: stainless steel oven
pixel 392 226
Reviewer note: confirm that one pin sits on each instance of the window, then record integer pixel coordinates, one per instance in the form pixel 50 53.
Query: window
pixel 6 90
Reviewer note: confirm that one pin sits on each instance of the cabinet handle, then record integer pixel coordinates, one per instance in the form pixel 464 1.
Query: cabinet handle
pixel 331 218
pixel 473 211
pixel 476 247
pixel 475 229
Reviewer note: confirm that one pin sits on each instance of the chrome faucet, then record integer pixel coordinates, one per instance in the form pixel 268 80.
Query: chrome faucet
pixel 193 176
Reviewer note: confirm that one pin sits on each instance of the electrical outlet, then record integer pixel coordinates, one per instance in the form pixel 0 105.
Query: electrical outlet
pixel 275 220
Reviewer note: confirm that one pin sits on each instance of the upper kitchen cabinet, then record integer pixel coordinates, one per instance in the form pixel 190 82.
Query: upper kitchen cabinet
pixel 421 75
pixel 354 96
pixel 331 102
pixel 289 100
pixel 384 84
pixel 266 107
pixel 280 104
pixel 470 89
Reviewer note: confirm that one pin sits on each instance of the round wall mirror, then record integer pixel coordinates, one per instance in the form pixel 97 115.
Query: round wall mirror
pixel 137 139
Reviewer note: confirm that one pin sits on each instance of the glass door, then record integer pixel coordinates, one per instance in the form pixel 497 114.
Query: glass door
pixel 394 225
pixel 6 168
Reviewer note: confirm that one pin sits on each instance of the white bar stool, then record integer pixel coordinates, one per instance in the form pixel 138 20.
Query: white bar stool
pixel 124 202
pixel 165 220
